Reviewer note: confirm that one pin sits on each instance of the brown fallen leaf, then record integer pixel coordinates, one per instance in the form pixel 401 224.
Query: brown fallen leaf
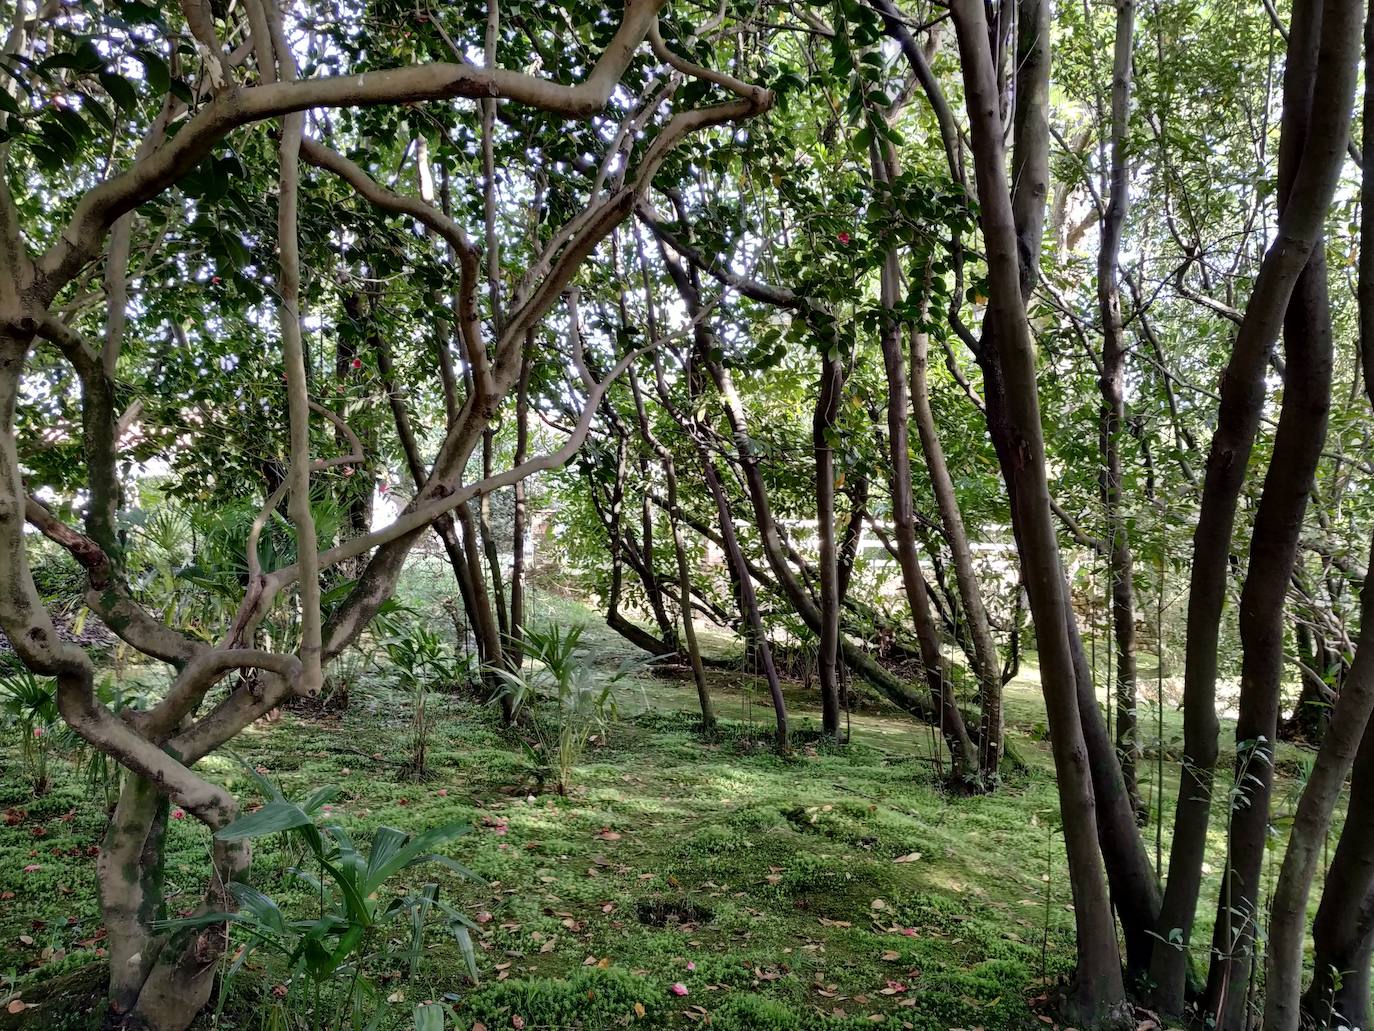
pixel 17 1006
pixel 910 857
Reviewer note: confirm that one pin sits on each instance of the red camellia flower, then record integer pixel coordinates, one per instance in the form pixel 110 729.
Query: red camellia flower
pixel 842 236
pixel 356 363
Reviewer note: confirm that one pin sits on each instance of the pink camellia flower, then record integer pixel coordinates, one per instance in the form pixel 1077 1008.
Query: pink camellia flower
pixel 32 868
pixel 691 965
pixel 678 988
pixel 356 363
pixel 178 814
pixel 842 236
pixel 37 731
pixel 443 792
pixel 348 470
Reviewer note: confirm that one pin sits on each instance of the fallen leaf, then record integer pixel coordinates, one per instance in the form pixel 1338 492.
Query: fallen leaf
pixel 639 1009
pixel 891 955
pixel 910 857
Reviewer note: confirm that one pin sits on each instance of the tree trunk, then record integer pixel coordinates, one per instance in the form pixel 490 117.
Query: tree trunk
pixel 1310 161
pixel 1133 881
pixel 822 437
pixel 983 655
pixel 1273 551
pixel 1312 711
pixel 653 589
pixel 514 656
pixel 748 597
pixel 963 754
pixel 1341 932
pixel 1099 993
pixel 483 619
pixel 1113 415
pixel 684 571
pixel 357 491
pixel 489 547
pixel 1307 841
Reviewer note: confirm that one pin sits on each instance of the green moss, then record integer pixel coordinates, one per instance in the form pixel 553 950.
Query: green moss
pixel 776 890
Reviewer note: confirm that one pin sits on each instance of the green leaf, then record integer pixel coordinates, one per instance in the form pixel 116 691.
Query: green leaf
pixel 464 939
pixel 181 91
pixel 429 1016
pixel 276 816
pixel 120 90
pixel 156 70
pixel 392 851
pixel 97 111
pixel 263 909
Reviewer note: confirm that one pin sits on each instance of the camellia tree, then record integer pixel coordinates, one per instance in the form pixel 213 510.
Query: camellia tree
pixel 140 146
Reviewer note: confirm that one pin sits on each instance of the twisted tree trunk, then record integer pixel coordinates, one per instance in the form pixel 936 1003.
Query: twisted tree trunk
pixel 1316 116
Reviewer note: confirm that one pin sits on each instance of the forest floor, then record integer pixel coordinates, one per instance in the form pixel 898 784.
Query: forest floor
pixel 680 881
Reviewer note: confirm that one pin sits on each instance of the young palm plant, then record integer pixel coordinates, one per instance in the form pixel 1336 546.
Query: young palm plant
pixel 332 960
pixel 30 704
pixel 562 699
pixel 421 661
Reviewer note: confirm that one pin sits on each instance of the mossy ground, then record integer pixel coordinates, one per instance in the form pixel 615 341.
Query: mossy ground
pixel 831 888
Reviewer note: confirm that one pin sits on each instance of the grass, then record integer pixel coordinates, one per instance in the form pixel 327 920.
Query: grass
pixel 833 888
